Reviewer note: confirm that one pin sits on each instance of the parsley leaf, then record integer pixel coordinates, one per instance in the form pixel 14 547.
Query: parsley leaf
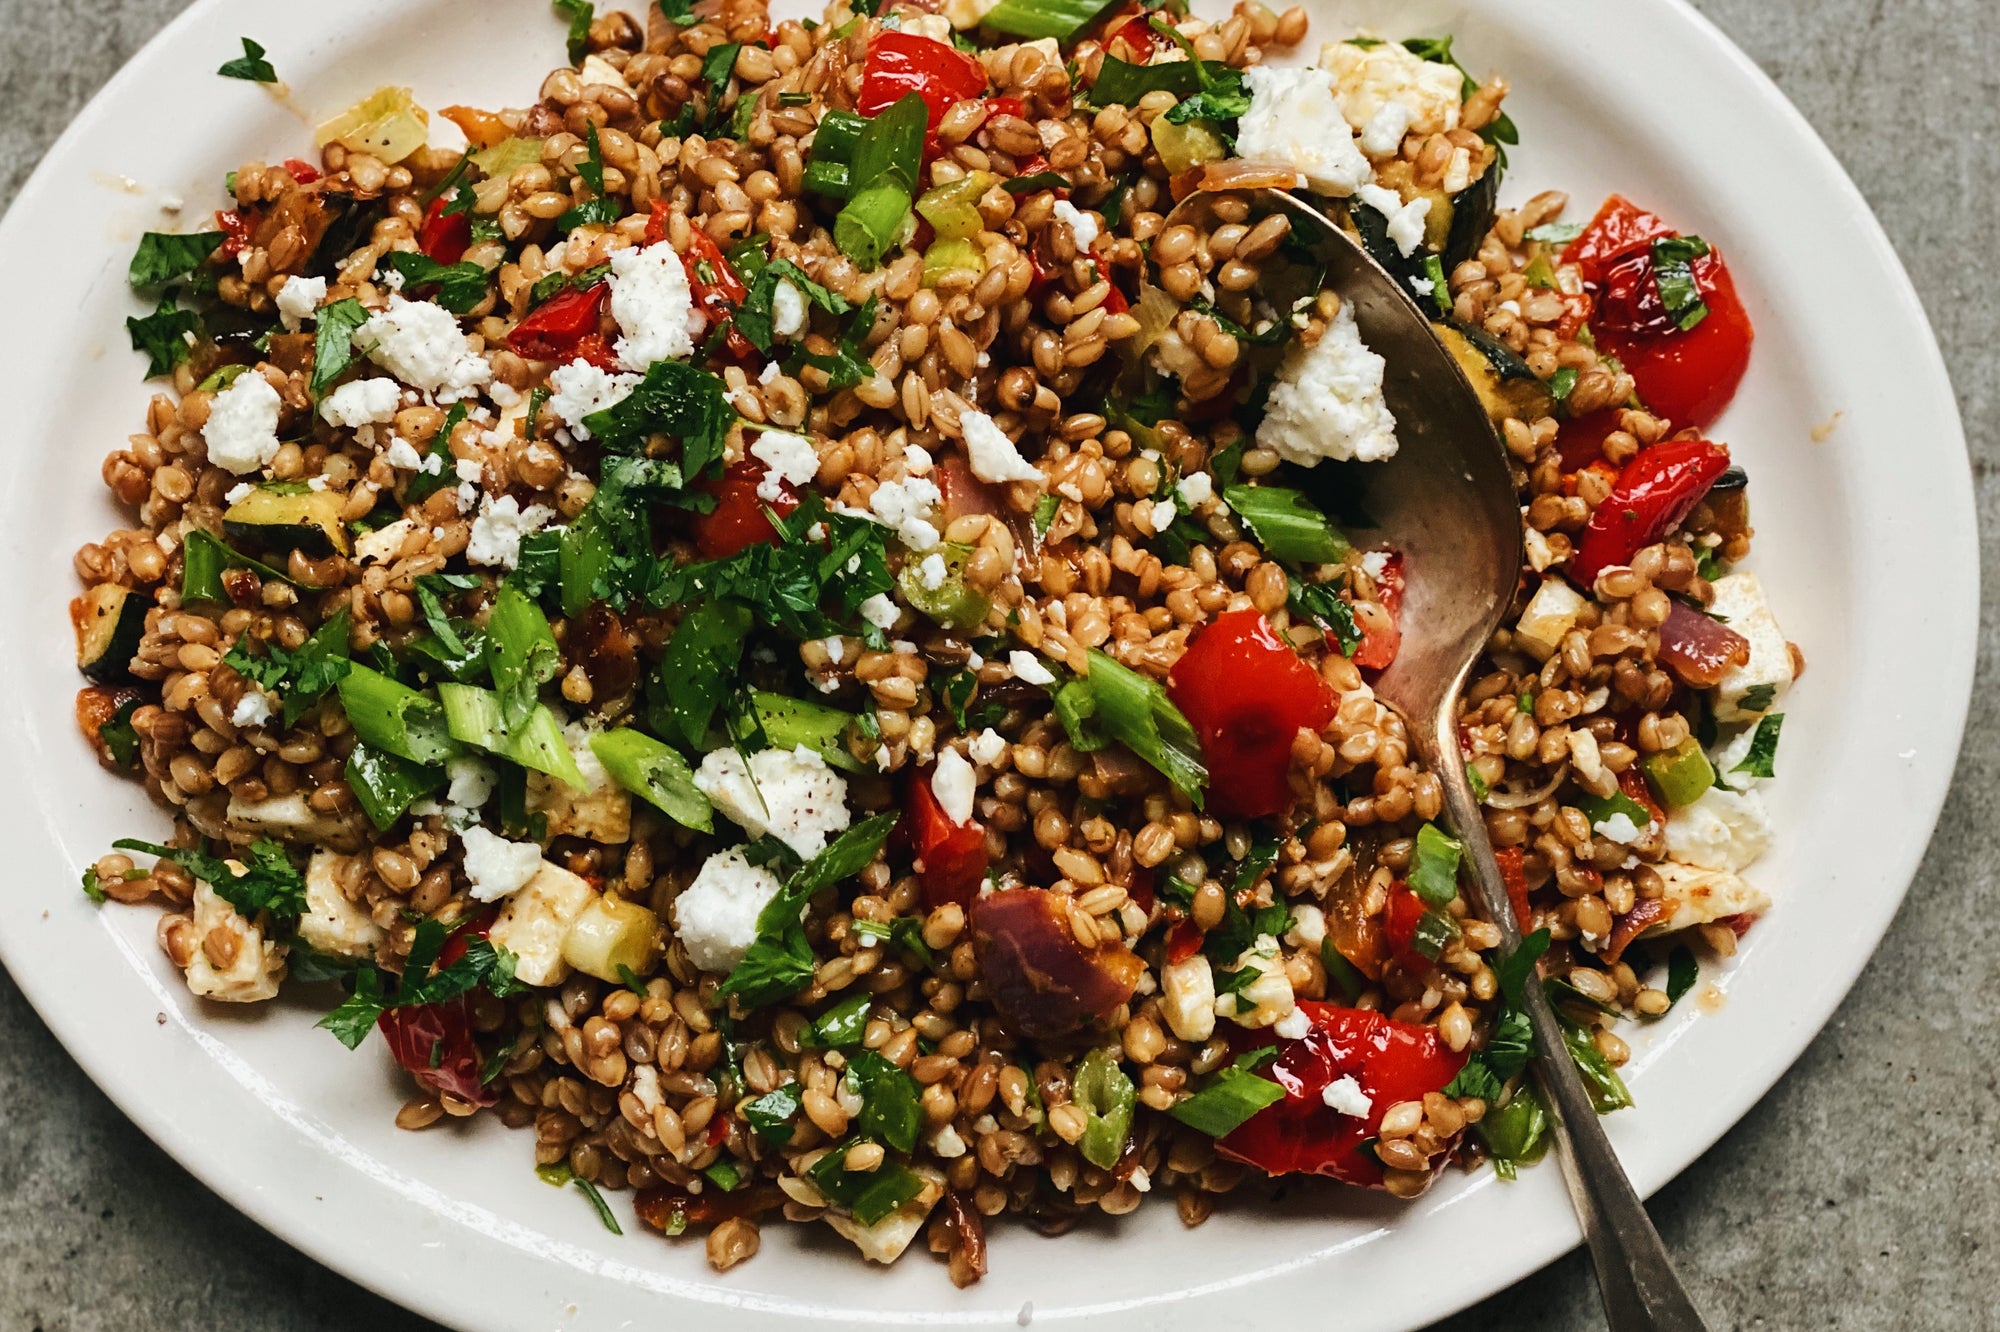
pixel 460 286
pixel 579 13
pixel 753 316
pixel 890 1112
pixel 675 399
pixel 1762 758
pixel 269 882
pixel 847 364
pixel 770 1115
pixel 166 336
pixel 1230 1097
pixel 302 674
pixel 781 960
pixel 1673 274
pixel 596 210
pixel 162 256
pixel 482 963
pixel 1757 698
pixel 1433 872
pixel 333 341
pixel 1502 131
pixel 251 65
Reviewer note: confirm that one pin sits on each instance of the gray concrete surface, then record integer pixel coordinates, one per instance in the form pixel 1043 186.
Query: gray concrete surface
pixel 1860 1194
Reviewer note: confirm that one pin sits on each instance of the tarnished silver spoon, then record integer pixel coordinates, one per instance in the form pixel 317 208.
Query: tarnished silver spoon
pixel 1447 502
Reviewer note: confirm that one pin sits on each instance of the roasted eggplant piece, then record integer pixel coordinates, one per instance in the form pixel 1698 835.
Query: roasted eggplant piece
pixel 1453 231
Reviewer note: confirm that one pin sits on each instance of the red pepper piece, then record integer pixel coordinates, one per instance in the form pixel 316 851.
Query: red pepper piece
pixel 1399 928
pixel 443 238
pixel 1645 913
pixel 1514 874
pixel 1633 783
pixel 656 224
pixel 1247 695
pixel 1184 940
pixel 302 171
pixel 553 329
pixel 434 1042
pixel 1654 492
pixel 1391 1061
pixel 236 229
pixel 1013 106
pixel 1689 377
pixel 1620 228
pixel 1381 642
pixel 1580 440
pixel 717 290
pixel 900 63
pixel 951 857
pixel 1698 648
pixel 738 519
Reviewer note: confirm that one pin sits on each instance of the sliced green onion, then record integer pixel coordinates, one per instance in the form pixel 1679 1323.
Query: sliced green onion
pixel 828 178
pixel 1434 933
pixel 1137 711
pixel 952 209
pixel 869 1194
pixel 868 227
pixel 1434 867
pixel 789 723
pixel 1681 775
pixel 1287 524
pixel 1107 1098
pixel 204 557
pixel 386 785
pixel 1516 1132
pixel 656 773
pixel 838 133
pixel 524 652
pixel 887 159
pixel 1231 1097
pixel 892 144
pixel 474 717
pixel 389 715
pixel 1060 19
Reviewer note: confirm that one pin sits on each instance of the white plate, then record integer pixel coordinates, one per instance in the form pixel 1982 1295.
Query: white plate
pixel 1865 540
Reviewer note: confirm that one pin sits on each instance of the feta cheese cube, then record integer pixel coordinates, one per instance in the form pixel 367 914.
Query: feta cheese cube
pixel 497 531
pixel 578 389
pixel 419 342
pixel 992 455
pixel 536 919
pixel 1195 489
pixel 789 460
pixel 1028 668
pixel 299 300
pixel 1308 926
pixel 881 612
pixel 1551 613
pixel 1293 1025
pixel 987 747
pixel 291 818
pixel 1082 226
pixel 333 923
pixel 495 867
pixel 1747 692
pixel 653 306
pixel 788 310
pixel 361 402
pixel 473 781
pixel 242 427
pixel 1187 998
pixel 1406 220
pixel 403 455
pixel 954 783
pixel 716 915
pixel 1699 896
pixel 1294 121
pixel 1327 400
pixel 1723 830
pixel 790 794
pixel 1367 78
pixel 252 975
pixel 384 543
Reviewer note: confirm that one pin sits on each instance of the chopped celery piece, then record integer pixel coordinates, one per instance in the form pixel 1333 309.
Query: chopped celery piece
pixel 789 723
pixel 945 257
pixel 656 773
pixel 473 715
pixel 1033 19
pixel 952 209
pixel 1107 1099
pixel 1680 775
pixel 949 599
pixel 389 715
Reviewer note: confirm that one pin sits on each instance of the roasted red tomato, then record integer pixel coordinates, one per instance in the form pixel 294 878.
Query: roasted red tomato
pixel 1380 642
pixel 1042 980
pixel 951 857
pixel 738 518
pixel 1247 695
pixel 1656 490
pixel 1688 375
pixel 900 63
pixel 1399 928
pixel 434 1042
pixel 444 238
pixel 717 290
pixel 1514 873
pixel 1391 1062
pixel 554 330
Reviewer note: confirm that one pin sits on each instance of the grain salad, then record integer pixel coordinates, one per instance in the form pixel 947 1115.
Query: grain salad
pixel 773 619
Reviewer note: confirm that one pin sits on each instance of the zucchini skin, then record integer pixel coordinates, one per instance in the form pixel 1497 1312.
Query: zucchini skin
pixel 109 621
pixel 308 522
pixel 1503 380
pixel 1472 211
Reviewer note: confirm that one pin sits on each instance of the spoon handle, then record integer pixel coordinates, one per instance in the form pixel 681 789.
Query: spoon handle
pixel 1641 1290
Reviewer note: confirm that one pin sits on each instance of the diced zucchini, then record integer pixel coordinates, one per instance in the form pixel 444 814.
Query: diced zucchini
pixel 610 934
pixel 1505 384
pixel 282 520
pixel 1680 775
pixel 109 620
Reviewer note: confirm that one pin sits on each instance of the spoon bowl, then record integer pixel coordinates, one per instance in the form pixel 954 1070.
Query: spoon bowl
pixel 1446 501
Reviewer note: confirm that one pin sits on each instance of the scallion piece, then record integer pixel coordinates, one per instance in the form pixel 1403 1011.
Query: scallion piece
pixel 1287 524
pixel 838 133
pixel 524 652
pixel 203 558
pixel 828 178
pixel 656 773
pixel 868 226
pixel 390 716
pixel 1137 711
pixel 887 159
pixel 1232 1096
pixel 474 718
pixel 789 723
pixel 1107 1099
pixel 869 1194
pixel 387 785
pixel 1060 19
pixel 1434 868
pixel 892 143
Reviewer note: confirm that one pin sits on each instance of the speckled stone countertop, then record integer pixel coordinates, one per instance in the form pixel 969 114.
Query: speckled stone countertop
pixel 1861 1193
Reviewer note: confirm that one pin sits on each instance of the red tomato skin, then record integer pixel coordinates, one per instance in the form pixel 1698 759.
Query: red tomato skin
pixel 302 171
pixel 1514 873
pixel 900 63
pixel 1399 928
pixel 444 239
pixel 1620 228
pixel 738 520
pixel 1656 490
pixel 1392 1061
pixel 951 857
pixel 718 294
pixel 1380 643
pixel 1247 695
pixel 1689 377
pixel 416 1031
pixel 553 329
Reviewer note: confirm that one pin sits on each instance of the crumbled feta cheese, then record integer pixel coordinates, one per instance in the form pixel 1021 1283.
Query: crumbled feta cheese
pixel 1619 828
pixel 242 428
pixel 577 389
pixel 1161 515
pixel 536 919
pixel 331 923
pixel 252 975
pixel 716 915
pixel 653 306
pixel 468 469
pixel 1187 998
pixel 953 782
pixel 497 531
pixel 238 492
pixel 1293 1025
pixel 384 543
pixel 1550 614
pixel 1308 926
pixel 770 372
pixel 1293 121
pixel 1327 401
pixel 1700 896
pixel 420 343
pixel 472 781
pixel 1406 220
pixel 495 867
pixel 1344 1095
pixel 905 506
pixel 403 455
pixel 1722 830
pixel 1028 668
pixel 987 747
pixel 788 310
pixel 790 794
pixel 1457 171
pixel 966 14
pixel 298 299
pixel 992 455
pixel 789 460
pixel 879 611
pixel 1383 135
pixel 1195 489
pixel 361 402
pixel 1748 691
pixel 1266 999
pixel 932 571
pixel 1365 78
pixel 253 709
pixel 1082 225
pixel 947 1145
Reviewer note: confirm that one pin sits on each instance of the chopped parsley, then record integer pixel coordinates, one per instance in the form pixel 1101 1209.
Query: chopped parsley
pixel 333 341
pixel 753 316
pixel 597 210
pixel 579 13
pixel 781 961
pixel 1761 760
pixel 302 674
pixel 377 991
pixel 166 336
pixel 1673 273
pixel 269 882
pixel 460 286
pixel 250 66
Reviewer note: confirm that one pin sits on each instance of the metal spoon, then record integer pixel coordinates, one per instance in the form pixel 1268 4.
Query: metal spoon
pixel 1447 502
